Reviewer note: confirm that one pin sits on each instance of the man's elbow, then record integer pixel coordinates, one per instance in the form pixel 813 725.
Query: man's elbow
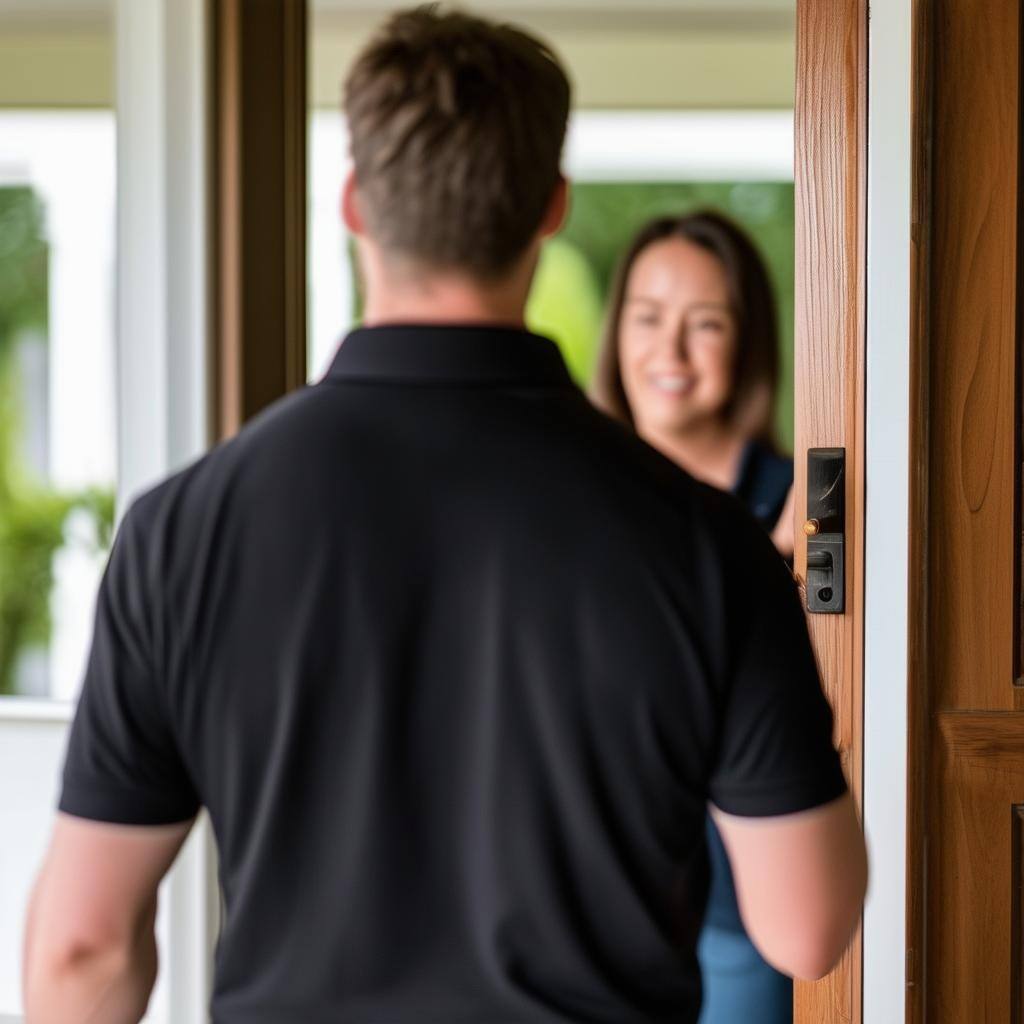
pixel 815 958
pixel 55 962
pixel 815 946
pixel 68 963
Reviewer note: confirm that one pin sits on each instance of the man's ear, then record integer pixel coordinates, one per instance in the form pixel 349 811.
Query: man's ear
pixel 350 214
pixel 558 208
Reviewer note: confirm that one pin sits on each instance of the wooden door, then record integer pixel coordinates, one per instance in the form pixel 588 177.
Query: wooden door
pixel 966 849
pixel 830 171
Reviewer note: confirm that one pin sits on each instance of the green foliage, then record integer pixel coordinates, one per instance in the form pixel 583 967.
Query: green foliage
pixel 565 271
pixel 31 532
pixel 23 266
pixel 32 515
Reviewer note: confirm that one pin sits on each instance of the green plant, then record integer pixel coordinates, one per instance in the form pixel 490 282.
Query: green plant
pixel 32 514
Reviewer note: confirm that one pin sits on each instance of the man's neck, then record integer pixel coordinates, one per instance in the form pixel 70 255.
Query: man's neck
pixel 394 296
pixel 442 309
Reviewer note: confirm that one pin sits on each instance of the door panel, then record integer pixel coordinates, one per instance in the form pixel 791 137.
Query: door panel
pixel 967 781
pixel 974 923
pixel 974 239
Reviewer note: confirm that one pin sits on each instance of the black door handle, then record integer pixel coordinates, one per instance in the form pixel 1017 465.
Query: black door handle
pixel 818 559
pixel 825 528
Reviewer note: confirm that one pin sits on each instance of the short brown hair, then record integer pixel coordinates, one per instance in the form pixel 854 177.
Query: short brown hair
pixel 456 127
pixel 751 407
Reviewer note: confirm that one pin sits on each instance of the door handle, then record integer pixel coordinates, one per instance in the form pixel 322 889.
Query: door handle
pixel 825 529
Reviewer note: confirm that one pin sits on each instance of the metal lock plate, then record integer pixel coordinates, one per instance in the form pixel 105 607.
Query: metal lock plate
pixel 825 529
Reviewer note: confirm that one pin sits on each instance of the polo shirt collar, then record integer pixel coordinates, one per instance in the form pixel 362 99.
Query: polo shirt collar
pixel 449 353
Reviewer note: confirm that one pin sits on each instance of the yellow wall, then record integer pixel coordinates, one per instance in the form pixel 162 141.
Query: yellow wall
pixel 643 69
pixel 619 60
pixel 613 64
pixel 56 68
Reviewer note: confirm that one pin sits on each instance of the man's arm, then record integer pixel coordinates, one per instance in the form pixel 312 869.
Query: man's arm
pixel 800 879
pixel 90 947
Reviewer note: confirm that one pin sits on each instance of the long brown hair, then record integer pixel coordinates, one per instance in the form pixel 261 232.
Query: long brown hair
pixel 751 407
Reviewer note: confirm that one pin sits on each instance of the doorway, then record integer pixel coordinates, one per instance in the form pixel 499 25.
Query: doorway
pixel 691 67
pixel 683 106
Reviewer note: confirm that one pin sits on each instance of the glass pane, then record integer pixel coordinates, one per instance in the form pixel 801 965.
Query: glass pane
pixel 675 110
pixel 57 419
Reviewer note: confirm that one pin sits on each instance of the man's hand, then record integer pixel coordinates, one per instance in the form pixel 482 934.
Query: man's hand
pixel 90 947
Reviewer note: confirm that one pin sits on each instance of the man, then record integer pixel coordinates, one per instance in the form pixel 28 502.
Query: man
pixel 454 663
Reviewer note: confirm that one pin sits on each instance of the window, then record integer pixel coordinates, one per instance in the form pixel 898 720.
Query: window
pixel 57 424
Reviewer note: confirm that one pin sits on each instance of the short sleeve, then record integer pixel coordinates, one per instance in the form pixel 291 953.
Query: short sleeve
pixel 775 753
pixel 122 763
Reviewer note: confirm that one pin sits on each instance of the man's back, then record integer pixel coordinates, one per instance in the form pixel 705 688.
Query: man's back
pixel 455 664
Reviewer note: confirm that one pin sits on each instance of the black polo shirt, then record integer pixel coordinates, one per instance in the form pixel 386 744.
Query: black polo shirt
pixel 454 663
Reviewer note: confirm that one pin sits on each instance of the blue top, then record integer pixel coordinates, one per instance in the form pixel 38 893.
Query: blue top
pixel 763 486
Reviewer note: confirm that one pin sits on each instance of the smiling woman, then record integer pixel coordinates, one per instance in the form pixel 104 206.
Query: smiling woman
pixel 690 362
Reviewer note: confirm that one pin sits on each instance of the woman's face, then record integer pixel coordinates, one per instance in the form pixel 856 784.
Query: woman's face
pixel 677 337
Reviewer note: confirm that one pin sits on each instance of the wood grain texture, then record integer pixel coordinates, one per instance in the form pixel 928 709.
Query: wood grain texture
pixel 830 139
pixel 979 765
pixel 259 206
pixel 966 771
pixel 918 650
pixel 973 370
pixel 1017 915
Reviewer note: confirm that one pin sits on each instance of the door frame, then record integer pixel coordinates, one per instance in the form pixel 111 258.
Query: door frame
pixel 895 225
pixel 866 197
pixel 258 150
pixel 830 193
pixel 254 366
pixel 162 374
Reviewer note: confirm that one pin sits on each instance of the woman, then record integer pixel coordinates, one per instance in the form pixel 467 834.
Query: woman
pixel 690 361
